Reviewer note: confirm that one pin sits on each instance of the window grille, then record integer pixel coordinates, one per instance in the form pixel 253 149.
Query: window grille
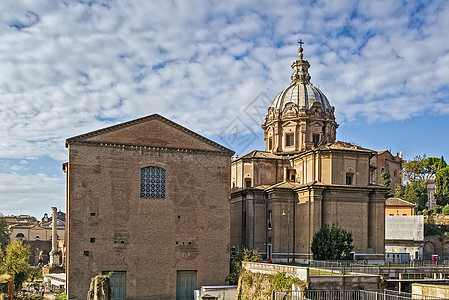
pixel 152 182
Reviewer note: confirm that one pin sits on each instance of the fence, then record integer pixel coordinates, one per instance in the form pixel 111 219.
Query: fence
pixel 348 295
pixel 361 264
pixel 344 267
pixel 280 295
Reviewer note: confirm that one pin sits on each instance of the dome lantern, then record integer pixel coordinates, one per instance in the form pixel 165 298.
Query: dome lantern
pixel 300 117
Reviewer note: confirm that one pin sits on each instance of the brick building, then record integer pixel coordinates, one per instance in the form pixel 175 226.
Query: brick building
pixel 148 200
pixel 384 162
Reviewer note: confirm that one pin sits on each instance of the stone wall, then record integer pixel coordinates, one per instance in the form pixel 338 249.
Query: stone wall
pixel 429 290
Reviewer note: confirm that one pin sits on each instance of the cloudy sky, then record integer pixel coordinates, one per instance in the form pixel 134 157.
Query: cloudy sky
pixel 69 67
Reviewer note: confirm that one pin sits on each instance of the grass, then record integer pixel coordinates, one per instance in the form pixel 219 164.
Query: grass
pixel 320 272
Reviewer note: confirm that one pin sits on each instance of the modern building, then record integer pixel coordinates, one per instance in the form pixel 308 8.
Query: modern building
pixel 404 238
pixel 147 200
pixel 305 178
pixel 431 201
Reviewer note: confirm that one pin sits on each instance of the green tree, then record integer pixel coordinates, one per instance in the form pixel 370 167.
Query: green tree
pixel 237 256
pixel 15 262
pixel 416 193
pixel 446 210
pixel 438 209
pixel 400 190
pixel 386 182
pixel 442 186
pixel 4 234
pixel 332 243
pixel 420 169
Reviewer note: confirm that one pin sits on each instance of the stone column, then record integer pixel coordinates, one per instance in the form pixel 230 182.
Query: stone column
pixel 54 254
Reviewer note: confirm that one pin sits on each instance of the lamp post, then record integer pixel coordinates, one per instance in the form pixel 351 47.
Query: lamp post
pixel 288 231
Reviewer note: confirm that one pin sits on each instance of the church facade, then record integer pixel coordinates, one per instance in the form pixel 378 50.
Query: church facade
pixel 147 200
pixel 305 178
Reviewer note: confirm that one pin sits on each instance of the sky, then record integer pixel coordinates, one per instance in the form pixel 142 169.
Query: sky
pixel 70 67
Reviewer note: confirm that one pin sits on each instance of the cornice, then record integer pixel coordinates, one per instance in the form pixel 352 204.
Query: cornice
pixel 148 148
pixel 144 119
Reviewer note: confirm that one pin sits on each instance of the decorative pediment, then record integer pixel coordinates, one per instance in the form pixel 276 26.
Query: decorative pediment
pixel 289 123
pixel 290 110
pixel 151 131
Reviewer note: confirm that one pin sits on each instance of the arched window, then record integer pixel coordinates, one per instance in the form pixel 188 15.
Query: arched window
pixel 20 236
pixel 152 182
pixel 57 236
pixel 37 238
pixel 349 178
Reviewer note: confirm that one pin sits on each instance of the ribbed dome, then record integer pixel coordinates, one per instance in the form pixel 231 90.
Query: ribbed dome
pixel 300 117
pixel 301 94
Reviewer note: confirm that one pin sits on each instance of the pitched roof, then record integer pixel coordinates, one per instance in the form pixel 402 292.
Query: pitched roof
pixel 344 146
pixel 146 132
pixel 260 154
pixel 398 202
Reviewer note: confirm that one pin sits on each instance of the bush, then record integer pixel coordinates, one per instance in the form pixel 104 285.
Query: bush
pixel 237 256
pixel 419 213
pixel 438 209
pixel 332 243
pixel 446 210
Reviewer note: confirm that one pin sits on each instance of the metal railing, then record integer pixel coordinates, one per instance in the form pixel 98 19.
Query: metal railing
pixel 348 295
pixel 360 264
pixel 363 295
pixel 292 295
pixel 345 267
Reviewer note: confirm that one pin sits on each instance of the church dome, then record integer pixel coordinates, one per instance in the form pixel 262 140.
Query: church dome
pixel 300 118
pixel 304 95
pixel 300 92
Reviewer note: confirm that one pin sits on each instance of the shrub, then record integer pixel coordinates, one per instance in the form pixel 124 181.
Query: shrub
pixel 445 210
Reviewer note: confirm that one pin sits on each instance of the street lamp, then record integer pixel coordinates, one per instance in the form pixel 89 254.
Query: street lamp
pixel 288 231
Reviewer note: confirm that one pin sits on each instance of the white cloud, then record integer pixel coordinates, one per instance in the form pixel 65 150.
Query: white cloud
pixel 20 193
pixel 68 67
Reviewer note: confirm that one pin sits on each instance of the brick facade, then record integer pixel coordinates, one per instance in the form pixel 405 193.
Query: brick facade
pixel 112 228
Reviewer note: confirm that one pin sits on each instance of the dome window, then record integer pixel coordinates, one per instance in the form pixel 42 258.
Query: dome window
pixel 20 236
pixel 289 139
pixel 316 139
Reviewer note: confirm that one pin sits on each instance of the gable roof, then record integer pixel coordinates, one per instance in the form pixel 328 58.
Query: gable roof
pixel 260 154
pixel 153 131
pixel 398 202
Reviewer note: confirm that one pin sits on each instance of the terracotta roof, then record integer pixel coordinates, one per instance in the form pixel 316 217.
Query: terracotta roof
pixel 284 185
pixel 343 145
pixel 398 202
pixel 262 187
pixel 260 154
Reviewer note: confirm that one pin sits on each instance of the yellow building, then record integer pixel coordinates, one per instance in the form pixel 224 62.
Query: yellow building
pixel 399 207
